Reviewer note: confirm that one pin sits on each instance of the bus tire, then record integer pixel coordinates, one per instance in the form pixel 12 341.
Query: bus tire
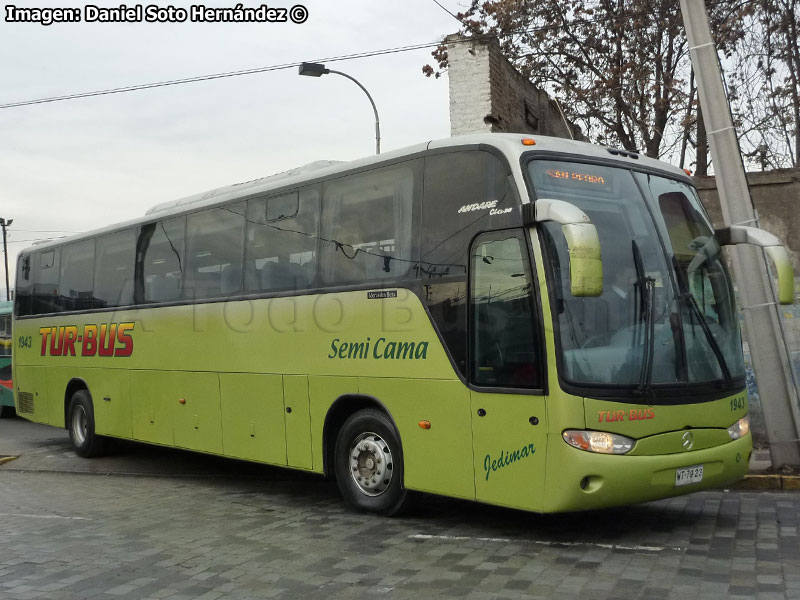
pixel 85 441
pixel 7 412
pixel 368 463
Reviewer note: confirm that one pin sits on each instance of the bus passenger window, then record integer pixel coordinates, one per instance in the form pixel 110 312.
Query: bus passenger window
pixel 214 247
pixel 505 350
pixel 45 282
pixel 23 290
pixel 77 276
pixel 161 251
pixel 282 241
pixel 113 274
pixel 367 225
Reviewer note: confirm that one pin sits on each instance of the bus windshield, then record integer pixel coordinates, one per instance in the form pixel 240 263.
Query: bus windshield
pixel 667 313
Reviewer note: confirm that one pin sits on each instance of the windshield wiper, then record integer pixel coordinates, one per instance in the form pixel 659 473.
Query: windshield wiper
pixel 646 285
pixel 686 295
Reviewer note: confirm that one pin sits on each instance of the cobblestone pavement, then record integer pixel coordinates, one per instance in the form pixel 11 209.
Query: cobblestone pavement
pixel 216 529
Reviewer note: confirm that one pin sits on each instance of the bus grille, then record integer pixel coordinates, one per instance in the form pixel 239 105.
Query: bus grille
pixel 25 402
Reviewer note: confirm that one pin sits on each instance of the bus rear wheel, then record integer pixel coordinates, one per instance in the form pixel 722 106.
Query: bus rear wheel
pixel 369 463
pixel 85 441
pixel 7 412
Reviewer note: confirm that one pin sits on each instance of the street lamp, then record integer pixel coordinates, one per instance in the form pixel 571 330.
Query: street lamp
pixel 318 69
pixel 6 223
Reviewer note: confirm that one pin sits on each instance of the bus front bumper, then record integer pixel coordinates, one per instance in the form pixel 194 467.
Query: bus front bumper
pixel 580 480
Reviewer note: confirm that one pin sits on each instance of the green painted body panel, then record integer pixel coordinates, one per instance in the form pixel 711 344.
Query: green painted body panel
pixel 298 421
pixel 252 417
pixel 197 420
pixel 34 381
pixel 672 442
pixel 322 392
pixel 510 450
pixel 50 405
pixel 112 400
pixel 152 407
pixel 640 421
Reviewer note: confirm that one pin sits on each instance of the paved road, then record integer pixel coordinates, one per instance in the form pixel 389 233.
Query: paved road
pixel 155 523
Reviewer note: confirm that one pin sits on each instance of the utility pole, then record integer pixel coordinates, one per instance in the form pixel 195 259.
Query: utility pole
pixel 767 348
pixel 4 224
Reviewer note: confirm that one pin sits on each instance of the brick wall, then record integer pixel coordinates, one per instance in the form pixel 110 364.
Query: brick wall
pixel 487 94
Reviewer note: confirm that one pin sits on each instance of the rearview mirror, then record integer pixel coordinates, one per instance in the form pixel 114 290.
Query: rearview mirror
pixel 583 243
pixel 741 234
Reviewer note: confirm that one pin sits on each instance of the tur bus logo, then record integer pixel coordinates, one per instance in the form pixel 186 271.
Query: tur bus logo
pixel 106 339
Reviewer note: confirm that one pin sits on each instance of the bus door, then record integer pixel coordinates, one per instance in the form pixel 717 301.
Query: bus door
pixel 506 362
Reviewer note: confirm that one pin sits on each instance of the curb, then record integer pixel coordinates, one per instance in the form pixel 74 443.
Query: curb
pixel 769 482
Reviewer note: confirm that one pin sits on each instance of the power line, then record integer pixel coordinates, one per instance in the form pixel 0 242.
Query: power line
pixel 437 3
pixel 354 56
pixel 157 84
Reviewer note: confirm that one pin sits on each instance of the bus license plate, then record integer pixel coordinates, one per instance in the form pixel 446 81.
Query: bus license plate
pixel 689 475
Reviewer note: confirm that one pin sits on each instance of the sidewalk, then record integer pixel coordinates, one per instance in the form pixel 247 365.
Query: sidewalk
pixel 762 476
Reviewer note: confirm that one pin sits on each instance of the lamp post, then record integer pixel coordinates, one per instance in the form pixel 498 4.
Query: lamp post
pixel 318 69
pixel 4 224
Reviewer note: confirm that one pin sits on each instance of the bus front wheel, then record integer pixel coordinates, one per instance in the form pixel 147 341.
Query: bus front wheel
pixel 369 463
pixel 85 441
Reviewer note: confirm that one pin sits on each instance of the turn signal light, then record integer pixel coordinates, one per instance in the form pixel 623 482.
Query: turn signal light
pixel 425 424
pixel 598 441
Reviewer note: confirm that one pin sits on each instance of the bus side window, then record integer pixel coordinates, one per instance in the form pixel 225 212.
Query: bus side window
pixel 113 276
pixel 282 241
pixel 76 284
pixel 160 252
pixel 45 282
pixel 462 189
pixel 23 290
pixel 368 225
pixel 214 248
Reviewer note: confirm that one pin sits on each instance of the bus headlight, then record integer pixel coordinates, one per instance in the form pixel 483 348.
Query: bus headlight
pixel 740 429
pixel 598 441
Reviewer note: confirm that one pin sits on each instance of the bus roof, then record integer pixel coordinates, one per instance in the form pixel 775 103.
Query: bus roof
pixel 508 143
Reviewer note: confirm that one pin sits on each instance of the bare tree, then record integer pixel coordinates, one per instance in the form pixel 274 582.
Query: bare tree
pixel 765 84
pixel 619 67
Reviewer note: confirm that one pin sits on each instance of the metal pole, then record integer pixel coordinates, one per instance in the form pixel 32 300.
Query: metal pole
pixel 374 109
pixel 770 360
pixel 4 224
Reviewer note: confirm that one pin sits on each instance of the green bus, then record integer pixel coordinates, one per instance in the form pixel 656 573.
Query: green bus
pixel 535 323
pixel 6 389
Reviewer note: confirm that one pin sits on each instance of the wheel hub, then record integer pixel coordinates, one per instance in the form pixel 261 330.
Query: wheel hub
pixel 371 464
pixel 79 424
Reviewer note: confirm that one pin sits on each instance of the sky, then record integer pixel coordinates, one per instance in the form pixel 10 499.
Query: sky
pixel 77 165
